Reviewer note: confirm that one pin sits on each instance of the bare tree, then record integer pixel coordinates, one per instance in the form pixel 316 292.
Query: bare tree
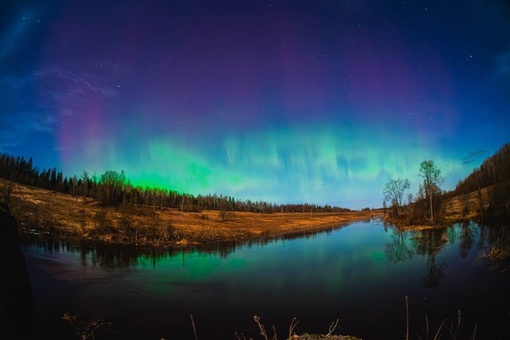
pixel 394 192
pixel 432 179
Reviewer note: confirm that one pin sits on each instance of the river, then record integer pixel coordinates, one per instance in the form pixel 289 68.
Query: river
pixel 360 274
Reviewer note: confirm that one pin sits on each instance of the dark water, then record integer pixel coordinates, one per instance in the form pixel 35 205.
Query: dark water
pixel 360 274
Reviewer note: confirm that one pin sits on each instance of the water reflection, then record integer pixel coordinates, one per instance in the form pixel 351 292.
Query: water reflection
pixel 468 236
pixel 495 246
pixel 111 256
pixel 361 273
pixel 399 249
pixel 492 243
pixel 429 243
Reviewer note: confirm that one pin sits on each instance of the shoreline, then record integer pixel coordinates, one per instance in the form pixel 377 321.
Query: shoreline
pixel 198 238
pixel 64 217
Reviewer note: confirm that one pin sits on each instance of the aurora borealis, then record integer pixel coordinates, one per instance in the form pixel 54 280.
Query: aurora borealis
pixel 284 101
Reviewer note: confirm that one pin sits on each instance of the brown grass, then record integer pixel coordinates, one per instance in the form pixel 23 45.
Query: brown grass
pixel 455 209
pixel 466 207
pixel 34 206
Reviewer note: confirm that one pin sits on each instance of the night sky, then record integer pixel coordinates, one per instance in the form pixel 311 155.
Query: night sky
pixel 289 102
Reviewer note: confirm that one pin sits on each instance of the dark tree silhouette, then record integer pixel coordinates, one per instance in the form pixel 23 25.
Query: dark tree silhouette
pixel 113 188
pixel 430 243
pixel 432 179
pixel 394 192
pixel 398 250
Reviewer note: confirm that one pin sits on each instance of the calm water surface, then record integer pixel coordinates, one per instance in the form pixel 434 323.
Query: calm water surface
pixel 359 274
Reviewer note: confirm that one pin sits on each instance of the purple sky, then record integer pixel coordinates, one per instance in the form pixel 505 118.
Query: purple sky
pixel 289 102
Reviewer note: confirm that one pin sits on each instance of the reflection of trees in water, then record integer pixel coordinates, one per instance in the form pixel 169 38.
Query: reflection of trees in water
pixel 126 256
pixel 435 272
pixel 397 249
pixel 111 256
pixel 48 244
pixel 467 237
pixel 429 243
pixel 494 245
pixel 115 256
pixel 490 242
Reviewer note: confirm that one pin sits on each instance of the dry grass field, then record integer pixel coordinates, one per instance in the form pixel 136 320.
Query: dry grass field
pixel 45 210
pixel 466 207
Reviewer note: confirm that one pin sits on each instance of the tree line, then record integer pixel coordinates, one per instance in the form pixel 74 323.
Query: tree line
pixel 494 170
pixel 114 188
pixel 494 174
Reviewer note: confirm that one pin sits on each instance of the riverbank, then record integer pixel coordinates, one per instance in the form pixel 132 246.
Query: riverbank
pixel 456 209
pixel 49 213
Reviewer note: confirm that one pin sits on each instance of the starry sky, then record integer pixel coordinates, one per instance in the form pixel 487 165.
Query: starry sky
pixel 284 101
